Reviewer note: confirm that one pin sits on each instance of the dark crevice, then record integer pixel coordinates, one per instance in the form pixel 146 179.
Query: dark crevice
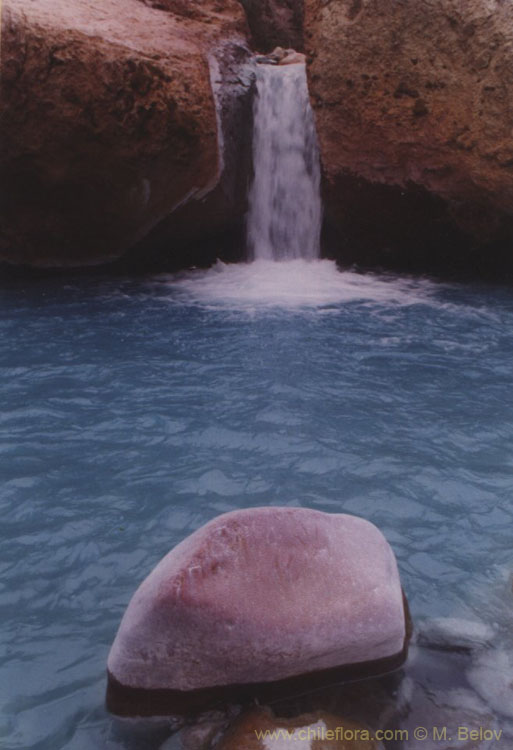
pixel 275 23
pixel 409 230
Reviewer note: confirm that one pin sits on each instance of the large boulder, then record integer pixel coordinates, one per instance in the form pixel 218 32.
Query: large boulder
pixel 109 121
pixel 203 229
pixel 262 595
pixel 412 103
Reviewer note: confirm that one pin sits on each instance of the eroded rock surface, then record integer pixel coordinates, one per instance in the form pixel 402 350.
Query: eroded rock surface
pixel 262 595
pixel 412 103
pixel 108 121
pixel 201 231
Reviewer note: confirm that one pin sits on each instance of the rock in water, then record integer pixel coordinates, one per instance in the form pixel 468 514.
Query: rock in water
pixel 261 595
pixel 453 633
pixel 260 730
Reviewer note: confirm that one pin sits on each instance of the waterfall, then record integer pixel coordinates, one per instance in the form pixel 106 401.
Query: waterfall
pixel 284 216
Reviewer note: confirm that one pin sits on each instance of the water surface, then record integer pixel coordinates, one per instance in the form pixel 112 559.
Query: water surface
pixel 135 411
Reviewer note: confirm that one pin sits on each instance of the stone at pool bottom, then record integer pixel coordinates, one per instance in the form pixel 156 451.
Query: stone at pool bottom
pixel 314 731
pixel 261 595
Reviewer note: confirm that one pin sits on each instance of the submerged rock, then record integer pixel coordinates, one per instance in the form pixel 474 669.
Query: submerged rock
pixel 412 103
pixel 261 730
pixel 204 733
pixel 109 122
pixel 452 719
pixel 262 595
pixel 491 676
pixel 454 633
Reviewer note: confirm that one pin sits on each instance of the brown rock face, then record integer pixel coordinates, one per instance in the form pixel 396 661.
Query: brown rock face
pixel 220 13
pixel 275 23
pixel 200 231
pixel 108 122
pixel 412 102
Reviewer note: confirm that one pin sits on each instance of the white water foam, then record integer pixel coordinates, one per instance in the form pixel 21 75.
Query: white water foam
pixel 295 284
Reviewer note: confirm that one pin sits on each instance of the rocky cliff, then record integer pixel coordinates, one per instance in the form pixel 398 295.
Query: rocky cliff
pixel 126 128
pixel 413 110
pixel 109 121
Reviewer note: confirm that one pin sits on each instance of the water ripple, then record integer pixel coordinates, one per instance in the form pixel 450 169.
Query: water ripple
pixel 134 412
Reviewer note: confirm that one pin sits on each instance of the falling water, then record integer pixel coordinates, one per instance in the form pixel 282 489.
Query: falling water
pixel 284 221
pixel 284 218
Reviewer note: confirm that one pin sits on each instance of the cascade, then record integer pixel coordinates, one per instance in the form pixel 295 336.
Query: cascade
pixel 285 212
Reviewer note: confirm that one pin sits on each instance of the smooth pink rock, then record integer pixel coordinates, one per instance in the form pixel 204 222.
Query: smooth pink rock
pixel 261 595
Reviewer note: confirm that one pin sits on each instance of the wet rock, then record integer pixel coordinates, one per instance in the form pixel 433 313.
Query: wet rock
pixel 292 58
pixel 261 730
pixel 414 123
pixel 275 23
pixel 202 231
pixel 109 122
pixel 373 702
pixel 205 732
pixel 274 57
pixel 262 595
pixel 454 633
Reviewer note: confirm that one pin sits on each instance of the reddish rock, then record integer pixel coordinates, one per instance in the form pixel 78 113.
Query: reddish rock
pixel 261 730
pixel 261 595
pixel 108 121
pixel 199 232
pixel 292 58
pixel 220 15
pixel 414 121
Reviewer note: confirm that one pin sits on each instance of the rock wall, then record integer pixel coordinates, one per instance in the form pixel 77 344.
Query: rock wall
pixel 126 128
pixel 413 109
pixel 108 122
pixel 200 231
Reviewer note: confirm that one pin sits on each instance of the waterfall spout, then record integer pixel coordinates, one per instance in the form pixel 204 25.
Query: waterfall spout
pixel 285 212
